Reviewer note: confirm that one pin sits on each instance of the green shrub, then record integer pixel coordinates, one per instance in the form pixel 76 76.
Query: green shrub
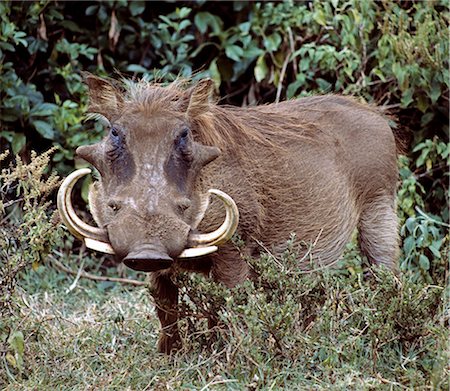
pixel 28 233
pixel 291 328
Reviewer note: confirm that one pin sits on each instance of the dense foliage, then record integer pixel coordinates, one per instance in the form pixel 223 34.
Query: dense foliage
pixel 393 54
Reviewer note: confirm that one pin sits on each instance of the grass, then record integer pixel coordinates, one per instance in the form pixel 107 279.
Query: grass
pixel 288 330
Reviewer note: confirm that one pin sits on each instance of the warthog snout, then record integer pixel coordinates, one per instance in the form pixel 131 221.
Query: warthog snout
pixel 148 258
pixel 148 244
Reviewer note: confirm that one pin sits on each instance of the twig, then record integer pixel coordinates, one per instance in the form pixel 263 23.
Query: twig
pixel 423 214
pixel 12 202
pixel 386 381
pixel 75 281
pixel 292 46
pixel 279 264
pixel 215 382
pixel 282 73
pixel 329 265
pixel 90 276
pixel 428 172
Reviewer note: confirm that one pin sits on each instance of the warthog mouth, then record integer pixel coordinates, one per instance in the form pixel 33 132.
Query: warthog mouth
pixel 148 259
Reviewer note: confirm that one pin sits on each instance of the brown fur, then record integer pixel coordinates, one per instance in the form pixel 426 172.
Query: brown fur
pixel 318 167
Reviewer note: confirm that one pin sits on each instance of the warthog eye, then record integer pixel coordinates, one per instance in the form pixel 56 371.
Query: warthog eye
pixel 114 205
pixel 116 136
pixel 114 132
pixel 119 159
pixel 117 143
pixel 182 144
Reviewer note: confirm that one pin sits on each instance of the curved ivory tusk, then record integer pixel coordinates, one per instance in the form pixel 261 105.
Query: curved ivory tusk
pixel 197 251
pixel 226 230
pixel 74 224
pixel 97 245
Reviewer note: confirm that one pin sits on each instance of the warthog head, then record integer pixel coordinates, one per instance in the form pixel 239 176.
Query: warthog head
pixel 150 197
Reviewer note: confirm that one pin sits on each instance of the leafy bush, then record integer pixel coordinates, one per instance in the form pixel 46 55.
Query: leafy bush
pixel 27 234
pixel 291 328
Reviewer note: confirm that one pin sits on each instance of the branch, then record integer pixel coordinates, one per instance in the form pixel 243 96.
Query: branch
pixel 423 214
pixel 282 73
pixel 90 276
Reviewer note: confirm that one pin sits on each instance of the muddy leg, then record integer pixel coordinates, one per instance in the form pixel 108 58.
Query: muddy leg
pixel 378 233
pixel 165 294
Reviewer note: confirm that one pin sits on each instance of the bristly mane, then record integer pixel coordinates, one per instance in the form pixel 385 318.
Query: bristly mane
pixel 226 127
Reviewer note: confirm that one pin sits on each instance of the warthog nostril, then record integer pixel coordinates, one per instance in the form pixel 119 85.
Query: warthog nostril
pixel 148 260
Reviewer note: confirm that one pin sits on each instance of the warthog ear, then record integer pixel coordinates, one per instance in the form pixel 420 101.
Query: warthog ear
pixel 199 98
pixel 92 154
pixel 104 97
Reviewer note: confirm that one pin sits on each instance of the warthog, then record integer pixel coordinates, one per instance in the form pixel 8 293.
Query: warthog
pixel 318 167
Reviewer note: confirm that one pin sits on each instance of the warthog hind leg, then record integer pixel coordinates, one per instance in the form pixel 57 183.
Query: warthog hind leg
pixel 378 232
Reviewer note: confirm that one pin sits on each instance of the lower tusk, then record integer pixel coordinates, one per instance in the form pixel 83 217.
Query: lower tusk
pixel 197 252
pixel 226 230
pixel 99 246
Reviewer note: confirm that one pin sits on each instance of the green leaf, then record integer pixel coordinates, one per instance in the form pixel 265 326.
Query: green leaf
pixel 377 72
pixel 16 342
pixel 45 129
pixel 324 85
pixel 71 26
pixel 261 69
pixel 408 245
pixel 293 87
pixel 410 224
pixel 435 246
pixel 183 12
pixel 234 52
pixel 136 7
pixel 18 142
pixel 203 20
pixel 184 24
pixel 435 92
pixel 407 98
pixel 319 17
pixel 272 42
pixel 245 27
pixel 136 68
pixel 43 110
pixel 91 10
pixel 215 73
pixel 424 262
pixel 7 46
pixel 422 103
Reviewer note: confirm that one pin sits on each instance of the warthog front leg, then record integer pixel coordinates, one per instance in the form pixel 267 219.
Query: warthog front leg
pixel 165 294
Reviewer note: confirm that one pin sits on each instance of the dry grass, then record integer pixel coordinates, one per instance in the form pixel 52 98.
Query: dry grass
pixel 328 331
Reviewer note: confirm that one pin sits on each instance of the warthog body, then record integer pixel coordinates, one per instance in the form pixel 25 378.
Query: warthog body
pixel 318 167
